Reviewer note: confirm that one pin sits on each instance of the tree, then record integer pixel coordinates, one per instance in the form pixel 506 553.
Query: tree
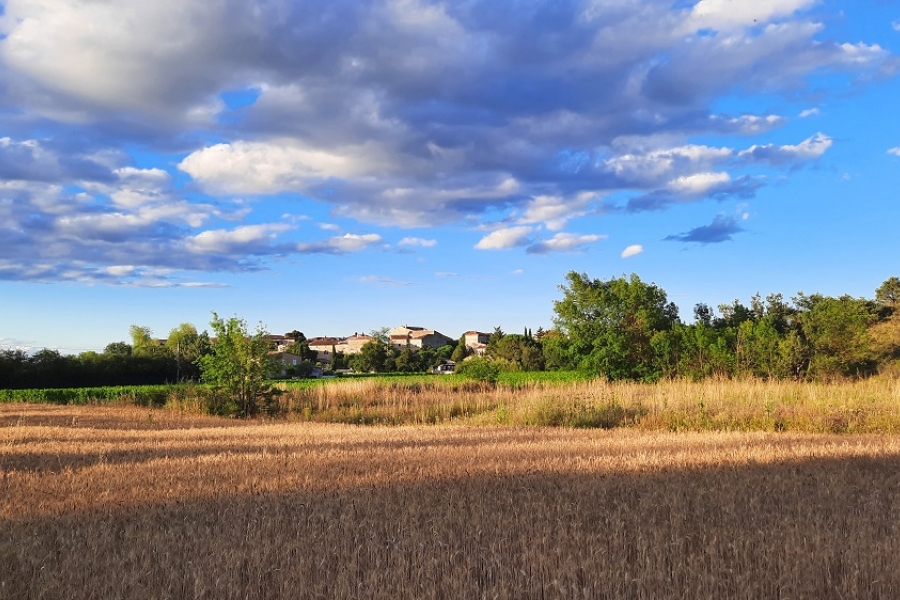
pixel 837 331
pixel 612 323
pixel 371 358
pixel 461 351
pixel 142 342
pixel 187 346
pixel 237 368
pixel 407 361
pixel 517 353
pixel 888 294
pixel 117 349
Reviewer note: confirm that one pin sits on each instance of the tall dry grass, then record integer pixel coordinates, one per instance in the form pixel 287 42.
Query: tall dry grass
pixel 871 405
pixel 128 505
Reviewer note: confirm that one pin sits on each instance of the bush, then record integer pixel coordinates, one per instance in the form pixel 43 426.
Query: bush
pixel 479 369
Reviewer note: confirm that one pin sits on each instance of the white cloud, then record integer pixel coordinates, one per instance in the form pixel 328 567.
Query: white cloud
pixel 809 112
pixel 246 238
pixel 809 149
pixel 861 54
pixel 264 167
pixel 655 166
pixel 341 244
pixel 380 112
pixel 748 124
pixel 504 238
pixel 728 14
pixel 698 184
pixel 564 242
pixel 896 25
pixel 895 151
pixel 555 211
pixel 633 250
pixel 414 241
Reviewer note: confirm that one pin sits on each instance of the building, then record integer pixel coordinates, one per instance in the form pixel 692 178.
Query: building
pixel 417 338
pixel 354 343
pixel 324 347
pixel 285 364
pixel 477 341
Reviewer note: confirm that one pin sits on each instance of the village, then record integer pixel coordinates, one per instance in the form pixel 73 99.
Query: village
pixel 327 348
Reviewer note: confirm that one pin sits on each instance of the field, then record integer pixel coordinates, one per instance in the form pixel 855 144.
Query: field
pixel 124 502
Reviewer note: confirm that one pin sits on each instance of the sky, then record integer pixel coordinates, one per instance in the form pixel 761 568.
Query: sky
pixel 339 167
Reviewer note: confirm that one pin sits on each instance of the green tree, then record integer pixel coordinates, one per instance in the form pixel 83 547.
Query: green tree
pixel 142 342
pixel 407 361
pixel 187 346
pixel 888 294
pixel 611 324
pixel 514 352
pixel 461 351
pixel 837 331
pixel 237 368
pixel 557 351
pixel 371 358
pixel 118 349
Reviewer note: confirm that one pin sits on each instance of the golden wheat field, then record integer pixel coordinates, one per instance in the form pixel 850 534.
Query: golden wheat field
pixel 127 503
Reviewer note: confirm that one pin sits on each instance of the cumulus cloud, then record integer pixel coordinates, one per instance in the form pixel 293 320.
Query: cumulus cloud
pixel 564 242
pixel 810 148
pixel 895 151
pixel 502 239
pixel 694 188
pixel 420 242
pixel 344 244
pixel 248 239
pixel 722 229
pixel 633 250
pixel 554 211
pixel 402 113
pixel 729 14
pixel 264 167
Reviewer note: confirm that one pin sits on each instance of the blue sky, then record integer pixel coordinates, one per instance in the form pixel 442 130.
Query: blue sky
pixel 345 166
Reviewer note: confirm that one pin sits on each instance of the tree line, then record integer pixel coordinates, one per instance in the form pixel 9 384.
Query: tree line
pixel 625 328
pixel 621 328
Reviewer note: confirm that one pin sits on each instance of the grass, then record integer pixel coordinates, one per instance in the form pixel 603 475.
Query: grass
pixel 871 405
pixel 548 399
pixel 124 502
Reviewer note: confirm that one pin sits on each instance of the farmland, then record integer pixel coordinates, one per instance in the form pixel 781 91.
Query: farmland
pixel 134 502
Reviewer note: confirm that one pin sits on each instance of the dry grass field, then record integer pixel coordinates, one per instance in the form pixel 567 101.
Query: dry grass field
pixel 865 406
pixel 129 503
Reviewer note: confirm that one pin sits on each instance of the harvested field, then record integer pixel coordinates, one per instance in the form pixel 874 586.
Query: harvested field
pixel 132 503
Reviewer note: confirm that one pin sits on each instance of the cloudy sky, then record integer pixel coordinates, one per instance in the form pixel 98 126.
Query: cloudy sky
pixel 348 165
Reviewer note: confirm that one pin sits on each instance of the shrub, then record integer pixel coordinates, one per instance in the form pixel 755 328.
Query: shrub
pixel 479 369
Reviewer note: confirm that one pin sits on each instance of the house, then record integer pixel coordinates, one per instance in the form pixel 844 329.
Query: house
pixel 476 341
pixel 324 347
pixel 353 344
pixel 285 364
pixel 417 338
pixel 445 368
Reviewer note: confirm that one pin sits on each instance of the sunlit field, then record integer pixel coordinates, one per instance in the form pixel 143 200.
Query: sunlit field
pixel 866 406
pixel 113 502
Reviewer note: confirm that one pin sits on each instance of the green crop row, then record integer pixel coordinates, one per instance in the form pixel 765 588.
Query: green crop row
pixel 137 395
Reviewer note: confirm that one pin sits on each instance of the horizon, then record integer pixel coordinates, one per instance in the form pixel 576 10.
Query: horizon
pixel 356 165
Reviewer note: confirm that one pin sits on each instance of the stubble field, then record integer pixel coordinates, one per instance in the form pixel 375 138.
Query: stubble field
pixel 128 503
